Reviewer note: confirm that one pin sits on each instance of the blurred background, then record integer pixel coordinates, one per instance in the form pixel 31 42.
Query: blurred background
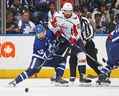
pixel 101 14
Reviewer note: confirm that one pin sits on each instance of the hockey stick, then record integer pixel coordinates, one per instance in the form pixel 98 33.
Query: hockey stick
pixel 67 51
pixel 89 55
pixel 92 58
pixel 116 66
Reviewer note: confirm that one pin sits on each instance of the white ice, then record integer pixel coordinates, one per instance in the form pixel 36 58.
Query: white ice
pixel 43 87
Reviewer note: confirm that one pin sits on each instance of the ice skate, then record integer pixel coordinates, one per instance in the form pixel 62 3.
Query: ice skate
pixel 103 80
pixel 84 81
pixel 12 84
pixel 59 82
pixel 62 81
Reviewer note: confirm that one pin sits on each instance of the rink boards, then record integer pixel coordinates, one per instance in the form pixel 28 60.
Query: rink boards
pixel 16 52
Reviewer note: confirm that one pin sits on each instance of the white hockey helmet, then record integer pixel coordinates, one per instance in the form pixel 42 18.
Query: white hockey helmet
pixel 67 7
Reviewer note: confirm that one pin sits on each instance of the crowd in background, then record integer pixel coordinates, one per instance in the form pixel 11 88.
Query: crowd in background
pixel 101 14
pixel 0 22
pixel 23 15
pixel 0 17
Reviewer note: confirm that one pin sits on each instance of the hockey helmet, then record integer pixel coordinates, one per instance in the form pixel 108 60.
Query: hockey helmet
pixel 39 28
pixel 67 7
pixel 40 31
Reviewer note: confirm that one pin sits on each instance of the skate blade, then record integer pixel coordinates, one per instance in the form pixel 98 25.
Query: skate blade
pixel 85 84
pixel 9 85
pixel 60 85
pixel 102 84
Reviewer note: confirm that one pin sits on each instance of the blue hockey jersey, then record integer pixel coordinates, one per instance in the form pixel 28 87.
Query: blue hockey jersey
pixel 115 34
pixel 113 47
pixel 44 48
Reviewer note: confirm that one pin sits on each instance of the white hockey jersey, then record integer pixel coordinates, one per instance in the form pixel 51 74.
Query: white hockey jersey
pixel 69 28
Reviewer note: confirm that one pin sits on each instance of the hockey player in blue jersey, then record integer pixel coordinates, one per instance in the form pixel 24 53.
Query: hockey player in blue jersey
pixel 112 48
pixel 43 55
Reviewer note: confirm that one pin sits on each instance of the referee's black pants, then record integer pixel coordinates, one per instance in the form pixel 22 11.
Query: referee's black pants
pixel 92 51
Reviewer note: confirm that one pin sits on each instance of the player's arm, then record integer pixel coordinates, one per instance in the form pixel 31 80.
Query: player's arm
pixel 53 25
pixel 75 33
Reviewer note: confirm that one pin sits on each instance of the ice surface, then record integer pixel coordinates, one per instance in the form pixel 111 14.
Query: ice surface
pixel 43 87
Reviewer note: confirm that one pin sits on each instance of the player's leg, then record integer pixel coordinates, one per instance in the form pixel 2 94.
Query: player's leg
pixel 113 57
pixel 92 51
pixel 73 66
pixel 82 67
pixel 59 63
pixel 81 61
pixel 33 68
pixel 108 44
pixel 107 69
pixel 113 62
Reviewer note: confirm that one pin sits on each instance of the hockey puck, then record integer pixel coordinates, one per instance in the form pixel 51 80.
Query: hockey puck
pixel 26 90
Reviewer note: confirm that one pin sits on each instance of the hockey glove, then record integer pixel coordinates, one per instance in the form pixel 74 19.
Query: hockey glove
pixel 109 37
pixel 72 41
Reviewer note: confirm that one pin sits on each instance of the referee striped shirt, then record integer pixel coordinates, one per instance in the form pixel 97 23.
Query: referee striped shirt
pixel 87 29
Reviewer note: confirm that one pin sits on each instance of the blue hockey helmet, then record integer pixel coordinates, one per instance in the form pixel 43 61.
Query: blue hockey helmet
pixel 40 31
pixel 39 28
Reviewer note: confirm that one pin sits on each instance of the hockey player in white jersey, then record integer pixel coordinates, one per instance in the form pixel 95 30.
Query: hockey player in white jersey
pixel 67 26
pixel 67 23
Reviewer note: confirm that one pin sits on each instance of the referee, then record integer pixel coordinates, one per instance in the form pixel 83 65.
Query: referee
pixel 87 35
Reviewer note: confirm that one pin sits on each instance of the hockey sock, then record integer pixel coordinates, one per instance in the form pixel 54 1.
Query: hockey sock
pixel 60 70
pixel 105 70
pixel 82 70
pixel 73 66
pixel 24 75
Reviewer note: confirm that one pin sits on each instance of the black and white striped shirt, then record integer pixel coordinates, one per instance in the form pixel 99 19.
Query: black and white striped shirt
pixel 87 29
